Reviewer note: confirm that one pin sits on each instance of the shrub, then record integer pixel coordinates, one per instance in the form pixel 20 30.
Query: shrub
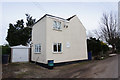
pixel 104 47
pixel 6 49
pixel 97 47
pixel 118 45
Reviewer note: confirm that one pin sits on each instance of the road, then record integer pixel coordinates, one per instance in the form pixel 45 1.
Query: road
pixel 107 68
pixel 119 66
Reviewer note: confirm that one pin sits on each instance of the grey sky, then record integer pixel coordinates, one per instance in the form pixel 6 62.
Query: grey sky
pixel 88 12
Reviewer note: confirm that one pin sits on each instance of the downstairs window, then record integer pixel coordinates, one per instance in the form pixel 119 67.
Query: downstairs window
pixel 57 47
pixel 37 48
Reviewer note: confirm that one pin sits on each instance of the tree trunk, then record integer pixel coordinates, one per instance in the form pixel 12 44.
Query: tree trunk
pixel 113 48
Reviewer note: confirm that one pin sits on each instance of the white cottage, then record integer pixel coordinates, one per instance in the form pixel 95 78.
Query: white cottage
pixel 58 39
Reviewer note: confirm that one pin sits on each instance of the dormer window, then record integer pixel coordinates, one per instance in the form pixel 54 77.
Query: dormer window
pixel 57 25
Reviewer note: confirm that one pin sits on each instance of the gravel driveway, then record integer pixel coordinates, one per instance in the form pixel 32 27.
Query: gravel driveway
pixel 107 68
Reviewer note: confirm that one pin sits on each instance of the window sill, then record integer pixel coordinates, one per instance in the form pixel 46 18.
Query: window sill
pixel 57 29
pixel 57 52
pixel 37 52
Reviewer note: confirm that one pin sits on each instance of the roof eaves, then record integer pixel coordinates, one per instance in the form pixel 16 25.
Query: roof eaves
pixel 70 17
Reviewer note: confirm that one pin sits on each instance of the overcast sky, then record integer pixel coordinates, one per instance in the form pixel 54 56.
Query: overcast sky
pixel 89 13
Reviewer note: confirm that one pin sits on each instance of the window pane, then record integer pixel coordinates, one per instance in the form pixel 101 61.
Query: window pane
pixel 39 48
pixel 35 48
pixel 59 47
pixel 55 47
pixel 59 25
pixel 55 24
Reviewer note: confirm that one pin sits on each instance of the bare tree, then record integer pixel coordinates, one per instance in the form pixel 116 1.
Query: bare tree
pixel 108 29
pixel 97 34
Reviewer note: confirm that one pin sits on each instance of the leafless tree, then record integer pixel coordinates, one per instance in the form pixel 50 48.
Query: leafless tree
pixel 108 29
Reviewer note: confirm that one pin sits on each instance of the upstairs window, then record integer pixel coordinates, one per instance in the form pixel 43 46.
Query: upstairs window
pixel 37 48
pixel 57 25
pixel 57 47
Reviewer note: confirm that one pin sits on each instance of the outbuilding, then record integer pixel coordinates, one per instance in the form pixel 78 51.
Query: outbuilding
pixel 20 53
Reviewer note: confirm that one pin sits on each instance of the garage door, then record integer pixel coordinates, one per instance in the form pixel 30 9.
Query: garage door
pixel 20 55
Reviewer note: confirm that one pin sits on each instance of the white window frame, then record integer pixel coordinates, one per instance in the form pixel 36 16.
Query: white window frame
pixel 37 48
pixel 57 48
pixel 55 26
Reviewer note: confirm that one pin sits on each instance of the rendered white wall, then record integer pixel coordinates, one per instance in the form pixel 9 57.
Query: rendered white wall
pixel 39 37
pixel 75 34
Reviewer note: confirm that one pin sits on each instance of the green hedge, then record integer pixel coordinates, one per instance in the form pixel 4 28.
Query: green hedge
pixel 96 46
pixel 6 49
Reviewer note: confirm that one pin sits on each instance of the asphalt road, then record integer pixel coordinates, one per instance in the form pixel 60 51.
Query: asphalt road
pixel 107 68
pixel 119 66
